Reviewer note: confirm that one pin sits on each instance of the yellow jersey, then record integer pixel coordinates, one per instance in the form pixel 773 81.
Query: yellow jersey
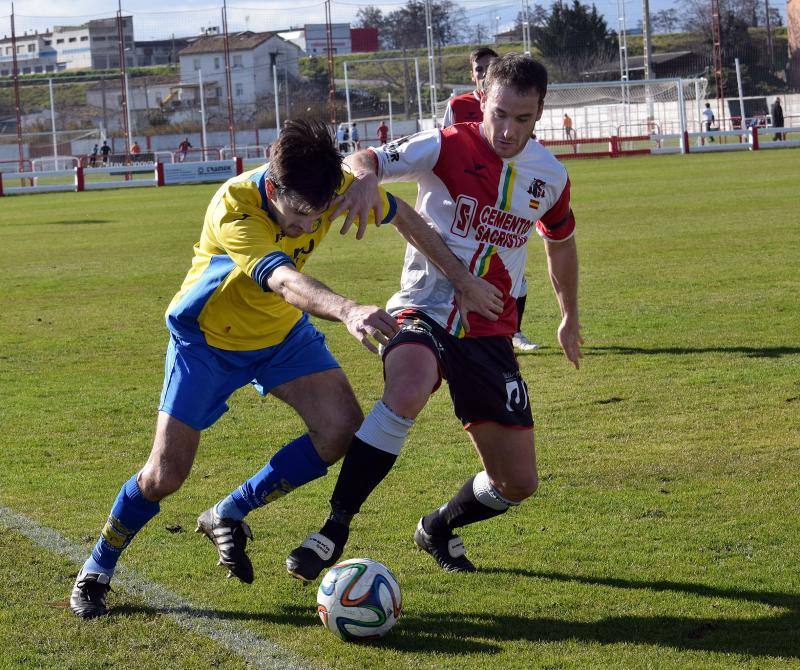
pixel 225 301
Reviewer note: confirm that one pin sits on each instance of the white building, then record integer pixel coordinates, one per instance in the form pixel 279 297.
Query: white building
pixel 316 38
pixel 93 45
pixel 35 54
pixel 252 56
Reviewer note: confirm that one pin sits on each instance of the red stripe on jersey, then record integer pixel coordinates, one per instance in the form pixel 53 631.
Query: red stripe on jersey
pixel 558 223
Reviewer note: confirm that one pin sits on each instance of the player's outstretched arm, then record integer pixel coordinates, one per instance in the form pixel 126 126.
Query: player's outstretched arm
pixel 363 194
pixel 562 262
pixel 364 322
pixel 473 294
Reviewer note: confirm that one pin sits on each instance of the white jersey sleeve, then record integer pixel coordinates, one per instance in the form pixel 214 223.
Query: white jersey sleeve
pixel 448 119
pixel 409 158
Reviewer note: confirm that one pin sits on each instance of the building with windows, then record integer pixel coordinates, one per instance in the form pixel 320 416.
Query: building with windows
pixel 93 45
pixel 316 39
pixel 160 52
pixel 252 56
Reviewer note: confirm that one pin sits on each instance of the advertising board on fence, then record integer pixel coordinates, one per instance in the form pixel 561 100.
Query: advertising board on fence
pixel 193 173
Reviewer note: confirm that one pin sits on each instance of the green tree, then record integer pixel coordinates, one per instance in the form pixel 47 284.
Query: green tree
pixel 575 40
pixel 405 28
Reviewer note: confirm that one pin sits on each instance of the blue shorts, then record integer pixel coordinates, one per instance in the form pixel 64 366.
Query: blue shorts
pixel 199 379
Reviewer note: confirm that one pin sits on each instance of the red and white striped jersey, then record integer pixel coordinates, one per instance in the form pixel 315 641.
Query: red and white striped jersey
pixel 463 108
pixel 485 208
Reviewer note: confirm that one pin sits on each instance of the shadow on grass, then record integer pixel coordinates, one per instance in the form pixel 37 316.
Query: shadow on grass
pixel 750 352
pixel 463 633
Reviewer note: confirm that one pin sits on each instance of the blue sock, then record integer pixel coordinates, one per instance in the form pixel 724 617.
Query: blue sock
pixel 131 511
pixel 295 464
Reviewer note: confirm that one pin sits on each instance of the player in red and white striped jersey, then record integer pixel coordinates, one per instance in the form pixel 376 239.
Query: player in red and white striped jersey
pixel 485 188
pixel 467 107
pixel 463 109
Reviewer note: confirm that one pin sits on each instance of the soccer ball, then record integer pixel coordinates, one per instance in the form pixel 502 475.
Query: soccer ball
pixel 359 599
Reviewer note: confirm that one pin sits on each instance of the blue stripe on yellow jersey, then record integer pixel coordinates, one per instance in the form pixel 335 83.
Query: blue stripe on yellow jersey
pixel 225 300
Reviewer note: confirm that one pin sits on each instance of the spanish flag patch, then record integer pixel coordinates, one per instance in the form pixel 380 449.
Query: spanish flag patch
pixel 533 204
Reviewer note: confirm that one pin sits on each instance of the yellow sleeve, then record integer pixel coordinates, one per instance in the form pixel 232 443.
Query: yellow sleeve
pixel 247 236
pixel 387 200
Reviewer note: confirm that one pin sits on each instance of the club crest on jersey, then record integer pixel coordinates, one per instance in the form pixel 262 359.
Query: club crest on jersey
pixel 536 189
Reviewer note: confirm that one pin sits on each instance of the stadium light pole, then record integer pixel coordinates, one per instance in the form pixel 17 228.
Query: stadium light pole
pixel 623 58
pixel 526 29
pixel 347 95
pixel 431 61
pixel 277 101
pixel 391 116
pixel 743 121
pixel 419 91
pixel 53 124
pixel 203 137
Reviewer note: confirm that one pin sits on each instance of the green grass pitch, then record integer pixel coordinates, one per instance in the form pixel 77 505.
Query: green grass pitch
pixel 665 533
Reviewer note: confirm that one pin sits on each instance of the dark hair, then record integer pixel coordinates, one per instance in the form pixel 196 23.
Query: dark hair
pixel 517 71
pixel 480 52
pixel 305 166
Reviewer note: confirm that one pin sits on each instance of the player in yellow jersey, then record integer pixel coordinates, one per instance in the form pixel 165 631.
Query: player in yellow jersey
pixel 241 318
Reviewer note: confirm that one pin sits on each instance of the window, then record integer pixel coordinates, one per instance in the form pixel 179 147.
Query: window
pixel 239 90
pixel 73 39
pixel 237 61
pixel 218 91
pixel 4 73
pixel 99 38
pixel 47 43
pixel 196 64
pixel 31 48
pixel 85 38
pixel 216 62
pixel 60 41
pixel 26 70
pixel 50 68
pixel 38 68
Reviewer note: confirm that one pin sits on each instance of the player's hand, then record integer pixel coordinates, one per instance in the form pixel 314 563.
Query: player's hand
pixel 569 337
pixel 357 201
pixel 478 295
pixel 368 322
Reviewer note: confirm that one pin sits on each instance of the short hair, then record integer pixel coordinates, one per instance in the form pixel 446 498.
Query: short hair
pixel 305 166
pixel 481 52
pixel 517 71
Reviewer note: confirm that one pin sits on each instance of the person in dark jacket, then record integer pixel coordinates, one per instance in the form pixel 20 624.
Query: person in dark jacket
pixel 777 118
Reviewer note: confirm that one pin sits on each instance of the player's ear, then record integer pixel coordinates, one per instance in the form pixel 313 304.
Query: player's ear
pixel 540 109
pixel 270 188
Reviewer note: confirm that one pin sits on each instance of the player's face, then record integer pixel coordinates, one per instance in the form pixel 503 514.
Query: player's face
pixel 293 223
pixel 509 118
pixel 479 70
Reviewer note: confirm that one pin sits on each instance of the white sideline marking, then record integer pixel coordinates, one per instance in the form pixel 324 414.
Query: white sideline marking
pixel 258 652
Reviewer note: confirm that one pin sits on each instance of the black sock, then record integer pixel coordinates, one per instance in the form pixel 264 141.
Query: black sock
pixel 520 310
pixel 461 510
pixel 364 467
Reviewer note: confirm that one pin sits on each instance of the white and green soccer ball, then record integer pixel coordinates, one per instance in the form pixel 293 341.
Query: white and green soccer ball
pixel 359 599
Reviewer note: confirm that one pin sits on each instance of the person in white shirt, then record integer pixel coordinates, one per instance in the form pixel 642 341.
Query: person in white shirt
pixel 708 120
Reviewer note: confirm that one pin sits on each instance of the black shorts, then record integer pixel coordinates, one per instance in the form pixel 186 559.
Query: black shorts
pixel 482 372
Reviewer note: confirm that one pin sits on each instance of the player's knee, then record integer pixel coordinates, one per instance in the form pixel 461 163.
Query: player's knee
pixel 333 438
pixel 519 487
pixel 157 483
